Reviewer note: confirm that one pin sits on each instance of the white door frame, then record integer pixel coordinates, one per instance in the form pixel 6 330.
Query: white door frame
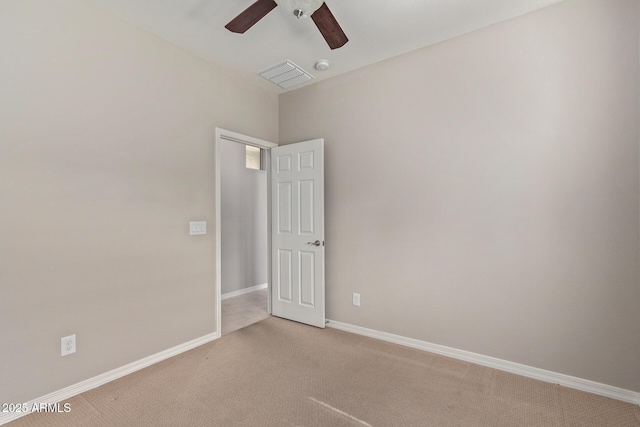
pixel 223 134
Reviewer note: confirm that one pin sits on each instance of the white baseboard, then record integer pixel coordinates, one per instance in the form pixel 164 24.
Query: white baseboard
pixel 492 362
pixel 243 291
pixel 91 383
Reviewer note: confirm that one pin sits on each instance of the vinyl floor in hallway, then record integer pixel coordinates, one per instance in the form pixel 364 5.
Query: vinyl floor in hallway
pixel 244 310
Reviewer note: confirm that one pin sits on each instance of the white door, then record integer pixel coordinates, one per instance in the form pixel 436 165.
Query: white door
pixel 297 232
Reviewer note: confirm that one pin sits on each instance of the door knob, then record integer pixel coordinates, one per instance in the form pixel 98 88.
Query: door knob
pixel 316 243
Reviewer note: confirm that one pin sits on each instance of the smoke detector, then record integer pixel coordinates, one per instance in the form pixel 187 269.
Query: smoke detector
pixel 322 65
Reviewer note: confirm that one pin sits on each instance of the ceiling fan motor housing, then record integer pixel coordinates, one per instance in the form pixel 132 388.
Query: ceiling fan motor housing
pixel 301 8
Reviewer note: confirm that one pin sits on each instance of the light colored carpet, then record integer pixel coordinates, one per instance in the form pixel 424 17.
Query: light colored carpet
pixel 281 373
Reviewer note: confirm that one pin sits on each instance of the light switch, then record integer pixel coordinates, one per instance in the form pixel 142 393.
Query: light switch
pixel 197 227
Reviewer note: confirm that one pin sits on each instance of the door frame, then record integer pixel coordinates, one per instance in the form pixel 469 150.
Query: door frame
pixel 227 135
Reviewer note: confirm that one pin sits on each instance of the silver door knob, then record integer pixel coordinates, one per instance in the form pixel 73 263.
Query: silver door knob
pixel 316 243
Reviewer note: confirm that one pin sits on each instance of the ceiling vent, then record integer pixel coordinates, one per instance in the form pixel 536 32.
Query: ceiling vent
pixel 286 75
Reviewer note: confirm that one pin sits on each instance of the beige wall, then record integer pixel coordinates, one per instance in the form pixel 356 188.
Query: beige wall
pixel 482 193
pixel 106 153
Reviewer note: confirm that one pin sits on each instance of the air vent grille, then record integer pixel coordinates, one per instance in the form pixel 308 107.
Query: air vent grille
pixel 286 75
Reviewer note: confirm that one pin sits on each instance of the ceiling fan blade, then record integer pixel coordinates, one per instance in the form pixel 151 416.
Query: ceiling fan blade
pixel 250 16
pixel 329 27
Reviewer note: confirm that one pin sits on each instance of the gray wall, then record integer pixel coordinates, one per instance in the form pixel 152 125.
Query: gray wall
pixel 482 193
pixel 243 220
pixel 106 153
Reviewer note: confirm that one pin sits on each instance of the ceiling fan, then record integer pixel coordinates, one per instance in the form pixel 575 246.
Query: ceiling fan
pixel 317 9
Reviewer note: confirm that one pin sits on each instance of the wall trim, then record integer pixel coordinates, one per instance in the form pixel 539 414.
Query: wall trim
pixel 491 362
pixel 244 291
pixel 91 383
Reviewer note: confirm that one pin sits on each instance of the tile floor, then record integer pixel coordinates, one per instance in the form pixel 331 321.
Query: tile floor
pixel 244 310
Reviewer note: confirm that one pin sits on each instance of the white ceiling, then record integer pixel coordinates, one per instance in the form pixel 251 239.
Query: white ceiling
pixel 377 30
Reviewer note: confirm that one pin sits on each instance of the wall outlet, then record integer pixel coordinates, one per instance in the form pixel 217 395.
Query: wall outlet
pixel 356 299
pixel 67 345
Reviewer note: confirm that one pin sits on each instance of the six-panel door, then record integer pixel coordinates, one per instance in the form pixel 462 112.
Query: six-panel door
pixel 297 192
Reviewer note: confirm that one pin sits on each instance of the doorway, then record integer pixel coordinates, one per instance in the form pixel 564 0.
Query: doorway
pixel 243 265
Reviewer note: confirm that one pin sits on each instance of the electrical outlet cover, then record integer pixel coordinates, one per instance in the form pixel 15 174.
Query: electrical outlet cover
pixel 67 345
pixel 356 299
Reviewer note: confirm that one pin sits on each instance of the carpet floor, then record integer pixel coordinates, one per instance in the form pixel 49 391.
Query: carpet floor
pixel 281 373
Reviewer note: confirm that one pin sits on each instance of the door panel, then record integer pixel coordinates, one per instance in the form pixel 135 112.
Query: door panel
pixel 297 183
pixel 284 276
pixel 284 208
pixel 306 219
pixel 307 279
